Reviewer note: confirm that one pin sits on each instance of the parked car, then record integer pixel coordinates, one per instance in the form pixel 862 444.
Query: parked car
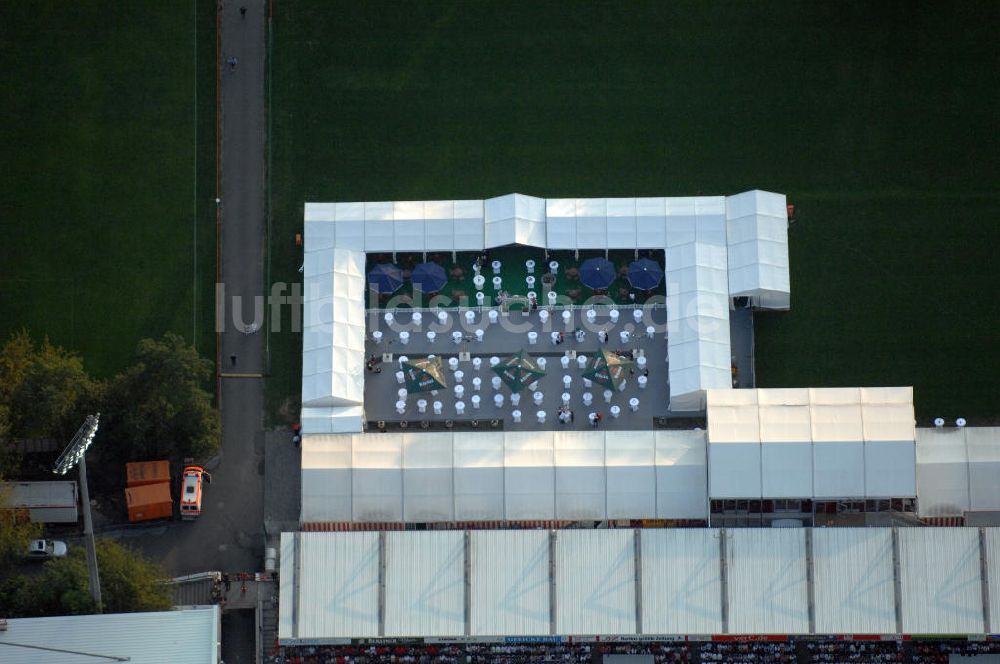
pixel 46 549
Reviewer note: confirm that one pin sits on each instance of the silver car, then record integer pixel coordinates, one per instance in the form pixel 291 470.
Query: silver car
pixel 46 549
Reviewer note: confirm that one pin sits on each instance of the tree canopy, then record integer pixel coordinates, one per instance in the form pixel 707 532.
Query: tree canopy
pixel 129 583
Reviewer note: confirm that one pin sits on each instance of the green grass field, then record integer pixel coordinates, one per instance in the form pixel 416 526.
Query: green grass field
pixel 878 120
pixel 108 125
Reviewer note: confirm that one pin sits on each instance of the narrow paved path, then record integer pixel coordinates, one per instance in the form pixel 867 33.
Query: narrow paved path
pixel 240 483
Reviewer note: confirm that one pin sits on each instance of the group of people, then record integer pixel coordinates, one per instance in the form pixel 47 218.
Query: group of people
pixel 667 652
pixel 565 415
pixel 752 652
pixel 374 364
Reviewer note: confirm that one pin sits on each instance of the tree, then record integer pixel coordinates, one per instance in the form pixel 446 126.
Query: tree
pixel 129 583
pixel 16 528
pixel 53 396
pixel 158 407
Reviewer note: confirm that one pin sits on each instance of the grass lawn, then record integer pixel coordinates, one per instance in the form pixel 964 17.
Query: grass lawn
pixel 107 136
pixel 877 119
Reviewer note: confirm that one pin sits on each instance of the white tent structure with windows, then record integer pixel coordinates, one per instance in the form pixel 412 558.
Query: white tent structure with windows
pixel 958 470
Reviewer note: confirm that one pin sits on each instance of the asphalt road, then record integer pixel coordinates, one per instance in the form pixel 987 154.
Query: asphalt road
pixel 229 536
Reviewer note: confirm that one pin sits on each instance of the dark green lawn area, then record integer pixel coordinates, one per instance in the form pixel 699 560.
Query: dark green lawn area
pixel 879 120
pixel 107 125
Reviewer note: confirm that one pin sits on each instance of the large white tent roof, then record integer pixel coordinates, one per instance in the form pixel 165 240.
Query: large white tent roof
pixel 958 470
pixel 627 582
pixel 503 476
pixel 162 637
pixel 811 443
pixel 716 247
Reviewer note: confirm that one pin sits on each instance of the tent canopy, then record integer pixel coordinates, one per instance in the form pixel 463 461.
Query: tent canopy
pixel 645 274
pixel 424 375
pixel 428 277
pixel 597 273
pixel 519 371
pixel 607 368
pixel 385 278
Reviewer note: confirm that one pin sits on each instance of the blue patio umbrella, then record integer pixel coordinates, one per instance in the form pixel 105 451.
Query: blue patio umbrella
pixel 645 274
pixel 597 272
pixel 428 277
pixel 385 278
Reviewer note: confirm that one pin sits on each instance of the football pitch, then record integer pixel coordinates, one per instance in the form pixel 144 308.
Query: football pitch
pixel 108 145
pixel 878 120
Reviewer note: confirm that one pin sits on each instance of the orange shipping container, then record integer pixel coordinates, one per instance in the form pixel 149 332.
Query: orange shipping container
pixel 141 473
pixel 151 501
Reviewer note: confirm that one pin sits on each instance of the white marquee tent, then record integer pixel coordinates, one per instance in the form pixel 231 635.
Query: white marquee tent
pixel 716 247
pixel 958 470
pixel 812 443
pixel 503 476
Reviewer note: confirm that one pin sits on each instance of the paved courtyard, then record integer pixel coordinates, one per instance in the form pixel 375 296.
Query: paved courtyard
pixel 505 337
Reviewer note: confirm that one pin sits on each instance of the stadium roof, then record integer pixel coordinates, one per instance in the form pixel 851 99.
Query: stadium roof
pixel 187 635
pixel 716 247
pixel 337 586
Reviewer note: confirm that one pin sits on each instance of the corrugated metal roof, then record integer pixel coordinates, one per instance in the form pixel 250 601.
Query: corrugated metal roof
pixel 595 582
pixel 767 591
pixel 681 582
pixel 852 572
pixel 165 637
pixel 510 582
pixel 425 584
pixel 940 580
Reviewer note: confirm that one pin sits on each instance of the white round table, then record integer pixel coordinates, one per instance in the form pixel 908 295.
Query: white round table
pixel 404 337
pixel 581 361
pixel 389 318
pixel 567 381
pixel 543 316
pixel 477 362
pixel 607 396
pixel 479 335
pixel 567 316
pixel 554 267
pixel 552 298
pixel 650 331
pixel 530 280
pixel 614 315
pixel 422 406
pixel 400 407
pixel 496 267
pixel 532 338
pixel 402 393
pixel 494 316
pixel 377 336
pixel 565 398
pixel 479 281
pixel 470 317
pixel 615 411
pixel 542 363
pixel 939 421
pixel 495 382
pixel 456 337
pixel 459 376
pixel 588 398
pixel 494 361
pixel 480 299
pixel 477 383
pixel 516 415
pixel 497 283
pixel 475 401
pixel 417 318
pixel 437 407
pixel 564 361
pixel 400 377
pixel 529 265
pixel 459 391
pixel 541 416
pixel 431 336
pixel 442 318
pixel 498 400
pixel 642 380
pixel 453 363
pixel 459 407
pixel 633 403
pixel 640 362
pixel 538 396
pixel 637 315
pixel 623 336
pixel 591 315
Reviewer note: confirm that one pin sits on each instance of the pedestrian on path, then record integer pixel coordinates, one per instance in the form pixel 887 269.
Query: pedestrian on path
pixel 233 61
pixel 243 12
pixel 232 358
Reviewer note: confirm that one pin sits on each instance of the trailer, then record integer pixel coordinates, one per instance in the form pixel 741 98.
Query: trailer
pixel 149 502
pixel 45 502
pixel 141 473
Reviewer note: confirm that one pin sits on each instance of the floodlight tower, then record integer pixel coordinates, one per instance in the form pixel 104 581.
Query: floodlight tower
pixel 76 454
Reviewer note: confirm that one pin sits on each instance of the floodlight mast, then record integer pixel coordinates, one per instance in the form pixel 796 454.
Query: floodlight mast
pixel 76 454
